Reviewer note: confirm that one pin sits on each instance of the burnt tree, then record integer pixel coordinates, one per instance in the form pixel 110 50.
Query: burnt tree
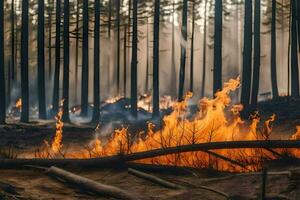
pixel 2 71
pixel 133 99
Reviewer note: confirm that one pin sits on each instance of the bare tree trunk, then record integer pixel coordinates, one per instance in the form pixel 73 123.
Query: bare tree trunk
pixel 183 51
pixel 50 38
pixel 65 116
pixel 41 60
pixel 118 4
pixel 192 50
pixel 294 52
pixel 273 52
pixel 204 52
pixel 24 63
pixel 12 17
pixel 2 71
pixel 76 49
pixel 173 81
pixel 218 46
pixel 155 74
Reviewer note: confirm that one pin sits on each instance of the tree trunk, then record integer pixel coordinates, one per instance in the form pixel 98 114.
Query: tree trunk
pixel 155 74
pixel 41 60
pixel 173 82
pixel 192 50
pixel 298 24
pixel 294 52
pixel 218 46
pixel 273 52
pixel 55 100
pixel 118 4
pixel 183 51
pixel 204 52
pixel 66 36
pixel 125 60
pixel 24 63
pixel 12 17
pixel 247 55
pixel 96 110
pixel 133 99
pixel 256 58
pixel 2 71
pixel 147 56
pixel 50 38
pixel 85 60
pixel 109 38
pixel 76 50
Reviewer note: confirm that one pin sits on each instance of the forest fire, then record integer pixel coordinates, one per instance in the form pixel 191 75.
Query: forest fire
pixel 216 121
pixel 18 104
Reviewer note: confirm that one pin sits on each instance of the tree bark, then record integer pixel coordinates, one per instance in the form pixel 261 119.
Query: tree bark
pixel 118 4
pixel 85 60
pixel 192 50
pixel 2 71
pixel 65 116
pixel 41 60
pixel 76 49
pixel 55 100
pixel 294 52
pixel 247 55
pixel 12 17
pixel 204 52
pixel 96 110
pixel 173 82
pixel 217 75
pixel 183 51
pixel 256 58
pixel 155 74
pixel 24 63
pixel 273 52
pixel 133 100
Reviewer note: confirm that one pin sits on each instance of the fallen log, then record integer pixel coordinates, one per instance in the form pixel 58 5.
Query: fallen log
pixel 154 179
pixel 116 160
pixel 90 185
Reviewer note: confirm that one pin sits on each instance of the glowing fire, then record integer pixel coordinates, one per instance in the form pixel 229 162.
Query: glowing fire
pixel 57 142
pixel 19 104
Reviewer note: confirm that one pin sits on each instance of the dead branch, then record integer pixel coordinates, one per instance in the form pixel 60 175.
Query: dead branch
pixel 154 179
pixel 109 161
pixel 90 185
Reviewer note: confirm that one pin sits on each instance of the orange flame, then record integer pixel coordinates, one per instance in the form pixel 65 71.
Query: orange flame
pixel 57 142
pixel 19 104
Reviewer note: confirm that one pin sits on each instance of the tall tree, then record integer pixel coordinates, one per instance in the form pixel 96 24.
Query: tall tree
pixel 41 61
pixel 173 79
pixel 85 60
pixel 192 50
pixel 76 48
pixel 51 2
pixel 156 59
pixel 273 52
pixel 118 8
pixel 133 99
pixel 294 52
pixel 66 36
pixel 298 22
pixel 126 29
pixel 96 110
pixel 12 18
pixel 24 63
pixel 247 54
pixel 55 100
pixel 204 51
pixel 217 83
pixel 183 50
pixel 256 57
pixel 2 76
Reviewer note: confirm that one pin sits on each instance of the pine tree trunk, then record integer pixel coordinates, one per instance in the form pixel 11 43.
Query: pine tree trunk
pixel 2 71
pixel 85 60
pixel 41 61
pixel 125 60
pixel 24 63
pixel 133 99
pixel 55 100
pixel 50 39
pixel 66 36
pixel 247 55
pixel 218 46
pixel 147 56
pixel 256 62
pixel 273 52
pixel 118 45
pixel 76 50
pixel 109 38
pixel 96 110
pixel 183 51
pixel 12 17
pixel 294 52
pixel 155 74
pixel 204 52
pixel 192 51
pixel 173 80
pixel 298 22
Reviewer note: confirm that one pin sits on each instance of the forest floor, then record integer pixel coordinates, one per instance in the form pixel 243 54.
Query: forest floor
pixel 34 184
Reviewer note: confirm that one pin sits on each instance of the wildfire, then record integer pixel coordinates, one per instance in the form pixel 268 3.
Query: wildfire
pixel 19 104
pixel 57 142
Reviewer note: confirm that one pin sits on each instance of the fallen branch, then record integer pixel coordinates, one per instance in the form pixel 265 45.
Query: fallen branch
pixel 109 161
pixel 154 179
pixel 90 185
